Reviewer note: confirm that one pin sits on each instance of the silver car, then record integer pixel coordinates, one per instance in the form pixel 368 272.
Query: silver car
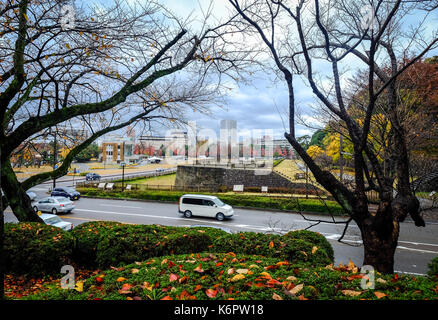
pixel 56 221
pixel 54 205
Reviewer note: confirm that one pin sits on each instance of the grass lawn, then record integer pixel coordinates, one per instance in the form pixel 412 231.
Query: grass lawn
pixel 166 180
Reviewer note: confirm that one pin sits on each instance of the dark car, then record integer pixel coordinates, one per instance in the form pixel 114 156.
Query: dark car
pixel 69 193
pixel 92 176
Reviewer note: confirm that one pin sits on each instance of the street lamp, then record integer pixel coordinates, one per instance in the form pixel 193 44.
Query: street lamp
pixel 123 164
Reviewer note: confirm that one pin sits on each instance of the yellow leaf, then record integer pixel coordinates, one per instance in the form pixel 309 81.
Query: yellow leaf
pixel 297 289
pixel 351 265
pixel 237 277
pixel 135 270
pixel 79 286
pixel 267 275
pixel 379 295
pixel 67 46
pixel 147 286
pixel 121 279
pixel 351 293
pixel 291 278
pixel 314 249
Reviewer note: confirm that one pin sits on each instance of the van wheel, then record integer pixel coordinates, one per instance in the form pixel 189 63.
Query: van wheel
pixel 220 216
pixel 188 214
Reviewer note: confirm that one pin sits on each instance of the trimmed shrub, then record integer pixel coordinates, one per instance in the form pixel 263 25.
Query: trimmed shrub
pixel 433 268
pixel 87 237
pixel 315 238
pixel 36 249
pixel 130 243
pixel 294 250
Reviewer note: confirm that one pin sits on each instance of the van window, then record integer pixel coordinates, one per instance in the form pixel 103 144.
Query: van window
pixel 208 203
pixel 192 201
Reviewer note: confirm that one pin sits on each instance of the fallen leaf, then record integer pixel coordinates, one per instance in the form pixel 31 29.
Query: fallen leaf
pixel 199 269
pixel 379 295
pixel 166 298
pixel 380 280
pixel 242 271
pixel 291 278
pixel 173 277
pixel 237 277
pixel 351 293
pixel 197 288
pixel 276 296
pixel 211 293
pixel 121 279
pixel 314 249
pixel 301 297
pixel 230 271
pixel 134 270
pixel 271 244
pixel 297 289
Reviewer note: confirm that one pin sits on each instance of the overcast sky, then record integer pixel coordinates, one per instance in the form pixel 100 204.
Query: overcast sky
pixel 263 104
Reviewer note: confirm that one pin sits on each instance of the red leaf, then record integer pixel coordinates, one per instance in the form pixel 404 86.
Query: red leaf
pixel 219 264
pixel 166 298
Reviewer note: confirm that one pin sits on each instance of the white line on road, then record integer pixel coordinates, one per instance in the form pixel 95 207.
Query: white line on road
pixel 111 205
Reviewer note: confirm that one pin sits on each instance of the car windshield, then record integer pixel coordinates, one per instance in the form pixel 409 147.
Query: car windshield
pixel 219 202
pixel 52 220
pixel 62 199
pixel 69 190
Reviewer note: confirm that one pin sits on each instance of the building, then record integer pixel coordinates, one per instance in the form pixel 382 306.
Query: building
pixel 116 149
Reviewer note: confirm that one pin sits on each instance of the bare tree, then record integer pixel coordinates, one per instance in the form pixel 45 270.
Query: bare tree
pixel 340 35
pixel 99 69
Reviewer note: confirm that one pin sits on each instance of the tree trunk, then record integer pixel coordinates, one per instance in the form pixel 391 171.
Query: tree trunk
pixel 17 198
pixel 380 242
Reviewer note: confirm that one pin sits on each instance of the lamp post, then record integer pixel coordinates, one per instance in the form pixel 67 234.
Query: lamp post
pixel 123 164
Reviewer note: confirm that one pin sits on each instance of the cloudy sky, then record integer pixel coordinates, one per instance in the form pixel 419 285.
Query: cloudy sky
pixel 263 103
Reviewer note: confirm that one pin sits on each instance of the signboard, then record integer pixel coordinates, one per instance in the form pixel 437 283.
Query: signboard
pixel 264 189
pixel 238 188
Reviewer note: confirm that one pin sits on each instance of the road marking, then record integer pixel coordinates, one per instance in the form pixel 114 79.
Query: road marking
pixel 110 205
pixel 413 273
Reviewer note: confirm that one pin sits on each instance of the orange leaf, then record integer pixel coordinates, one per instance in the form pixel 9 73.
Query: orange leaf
pixel 211 293
pixel 379 295
pixel 198 287
pixel 199 269
pixel 166 298
pixel 121 279
pixel 271 244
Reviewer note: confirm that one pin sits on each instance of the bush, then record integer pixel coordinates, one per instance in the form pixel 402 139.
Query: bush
pixel 87 237
pixel 294 250
pixel 315 238
pixel 36 249
pixel 433 267
pixel 127 244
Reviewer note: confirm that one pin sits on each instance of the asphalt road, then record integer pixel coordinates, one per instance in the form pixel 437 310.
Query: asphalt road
pixel 417 246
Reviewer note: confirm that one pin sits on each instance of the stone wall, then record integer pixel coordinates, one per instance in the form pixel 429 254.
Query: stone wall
pixel 216 177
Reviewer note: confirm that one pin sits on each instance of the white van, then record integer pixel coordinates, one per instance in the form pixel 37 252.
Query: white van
pixel 204 206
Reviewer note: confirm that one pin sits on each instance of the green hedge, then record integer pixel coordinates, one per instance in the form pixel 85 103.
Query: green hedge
pixel 294 250
pixel 433 268
pixel 313 237
pixel 36 249
pixel 101 244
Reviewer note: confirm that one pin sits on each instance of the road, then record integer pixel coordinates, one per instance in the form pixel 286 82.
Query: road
pixel 417 246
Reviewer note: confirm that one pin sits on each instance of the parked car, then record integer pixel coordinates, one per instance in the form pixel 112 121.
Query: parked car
pixel 56 221
pixel 159 170
pixel 204 206
pixel 54 205
pixel 31 195
pixel 91 176
pixel 70 193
